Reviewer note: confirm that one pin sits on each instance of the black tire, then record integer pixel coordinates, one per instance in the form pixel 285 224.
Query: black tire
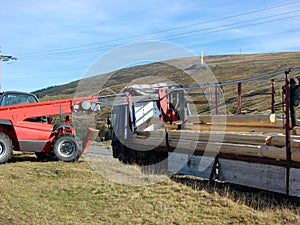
pixel 67 147
pixel 131 156
pixel 115 143
pixel 122 153
pixel 6 148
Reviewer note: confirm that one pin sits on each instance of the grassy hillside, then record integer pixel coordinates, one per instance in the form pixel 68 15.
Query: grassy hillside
pixel 256 97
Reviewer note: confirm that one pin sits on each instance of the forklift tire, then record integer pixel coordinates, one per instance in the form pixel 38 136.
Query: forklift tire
pixel 67 147
pixel 6 148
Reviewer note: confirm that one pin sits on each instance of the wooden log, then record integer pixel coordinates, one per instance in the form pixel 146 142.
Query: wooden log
pixel 273 152
pixel 230 120
pixel 250 120
pixel 228 128
pixel 296 156
pixel 279 141
pixel 215 147
pixel 296 131
pixel 238 138
pixel 278 153
pixel 189 146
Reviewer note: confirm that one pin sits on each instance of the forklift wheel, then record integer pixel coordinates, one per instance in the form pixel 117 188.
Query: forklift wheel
pixel 5 148
pixel 67 147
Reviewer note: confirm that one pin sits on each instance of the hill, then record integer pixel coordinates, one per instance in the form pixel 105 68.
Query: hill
pixel 185 71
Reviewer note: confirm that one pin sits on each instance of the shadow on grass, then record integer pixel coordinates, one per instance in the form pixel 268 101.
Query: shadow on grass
pixel 28 157
pixel 252 197
pixel 23 157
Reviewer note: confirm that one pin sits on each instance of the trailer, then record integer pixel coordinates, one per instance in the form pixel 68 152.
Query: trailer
pixel 253 150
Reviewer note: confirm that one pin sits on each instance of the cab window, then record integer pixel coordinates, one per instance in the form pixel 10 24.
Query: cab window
pixel 15 98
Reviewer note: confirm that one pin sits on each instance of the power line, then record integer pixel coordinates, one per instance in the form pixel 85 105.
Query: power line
pixel 189 34
pixel 232 28
pixel 241 22
pixel 172 37
pixel 86 50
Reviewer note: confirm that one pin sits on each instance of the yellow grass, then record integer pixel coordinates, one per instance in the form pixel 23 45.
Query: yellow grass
pixel 35 192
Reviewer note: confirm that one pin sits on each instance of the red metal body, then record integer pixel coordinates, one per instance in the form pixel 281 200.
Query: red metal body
pixel 168 110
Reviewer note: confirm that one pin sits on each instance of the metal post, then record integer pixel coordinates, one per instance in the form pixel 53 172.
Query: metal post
pixel 273 97
pixel 216 99
pixel 282 105
pixel 287 132
pixel 239 97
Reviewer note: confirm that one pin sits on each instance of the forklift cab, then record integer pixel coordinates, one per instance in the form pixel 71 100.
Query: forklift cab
pixel 14 98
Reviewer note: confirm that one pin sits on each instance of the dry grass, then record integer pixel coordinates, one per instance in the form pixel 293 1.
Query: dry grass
pixel 35 192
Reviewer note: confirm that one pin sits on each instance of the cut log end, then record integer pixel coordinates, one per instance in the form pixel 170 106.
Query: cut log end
pixel 272 118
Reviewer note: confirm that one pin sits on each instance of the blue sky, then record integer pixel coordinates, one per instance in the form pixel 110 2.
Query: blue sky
pixel 57 41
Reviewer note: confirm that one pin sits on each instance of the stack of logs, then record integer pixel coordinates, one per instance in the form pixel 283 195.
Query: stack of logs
pixel 247 135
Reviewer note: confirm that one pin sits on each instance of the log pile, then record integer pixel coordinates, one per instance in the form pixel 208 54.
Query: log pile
pixel 236 123
pixel 247 135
